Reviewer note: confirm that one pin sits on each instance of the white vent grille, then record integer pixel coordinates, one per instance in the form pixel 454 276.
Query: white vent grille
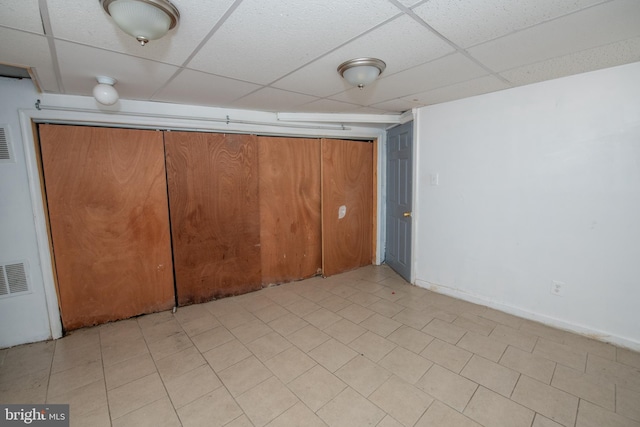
pixel 13 279
pixel 5 145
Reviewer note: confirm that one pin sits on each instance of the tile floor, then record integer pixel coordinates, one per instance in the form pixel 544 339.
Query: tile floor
pixel 362 348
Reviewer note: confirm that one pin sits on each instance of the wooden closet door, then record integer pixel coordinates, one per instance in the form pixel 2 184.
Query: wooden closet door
pixel 290 224
pixel 108 210
pixel 347 183
pixel 215 214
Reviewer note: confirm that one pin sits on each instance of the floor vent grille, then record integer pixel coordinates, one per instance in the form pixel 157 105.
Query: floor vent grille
pixel 5 145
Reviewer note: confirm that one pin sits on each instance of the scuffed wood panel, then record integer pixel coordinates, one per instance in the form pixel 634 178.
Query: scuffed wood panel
pixel 347 176
pixel 108 211
pixel 290 227
pixel 215 218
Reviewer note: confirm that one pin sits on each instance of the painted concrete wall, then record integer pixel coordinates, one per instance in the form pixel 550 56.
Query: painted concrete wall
pixel 23 318
pixel 536 184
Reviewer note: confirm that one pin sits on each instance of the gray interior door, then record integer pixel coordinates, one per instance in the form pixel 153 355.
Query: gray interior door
pixel 399 198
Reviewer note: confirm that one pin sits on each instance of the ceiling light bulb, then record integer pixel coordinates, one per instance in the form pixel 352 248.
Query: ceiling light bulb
pixel 104 92
pixel 361 71
pixel 143 19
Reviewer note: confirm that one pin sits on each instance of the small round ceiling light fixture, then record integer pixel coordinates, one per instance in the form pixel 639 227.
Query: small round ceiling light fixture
pixel 361 71
pixel 104 92
pixel 143 19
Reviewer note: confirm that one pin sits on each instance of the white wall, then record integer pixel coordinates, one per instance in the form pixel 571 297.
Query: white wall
pixel 537 183
pixel 23 318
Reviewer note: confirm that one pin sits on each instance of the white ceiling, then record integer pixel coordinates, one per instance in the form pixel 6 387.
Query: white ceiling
pixel 282 55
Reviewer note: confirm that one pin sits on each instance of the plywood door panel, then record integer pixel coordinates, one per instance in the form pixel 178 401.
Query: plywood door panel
pixel 215 218
pixel 347 176
pixel 108 210
pixel 290 224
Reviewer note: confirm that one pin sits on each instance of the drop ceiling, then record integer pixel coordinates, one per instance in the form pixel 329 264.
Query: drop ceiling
pixel 282 55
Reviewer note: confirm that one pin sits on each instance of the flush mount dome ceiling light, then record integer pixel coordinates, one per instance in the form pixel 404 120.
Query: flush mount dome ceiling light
pixel 104 92
pixel 143 19
pixel 361 71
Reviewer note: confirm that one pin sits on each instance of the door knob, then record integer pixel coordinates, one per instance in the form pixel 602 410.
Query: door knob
pixel 406 214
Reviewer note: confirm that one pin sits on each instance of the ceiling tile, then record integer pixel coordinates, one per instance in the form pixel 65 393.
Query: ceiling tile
pixel 270 99
pixel 21 15
pixel 194 87
pixel 469 22
pixel 137 78
pixel 92 26
pixel 396 105
pixel 263 41
pixel 328 106
pixel 473 87
pixel 29 50
pixel 613 54
pixel 597 26
pixel 401 43
pixel 445 71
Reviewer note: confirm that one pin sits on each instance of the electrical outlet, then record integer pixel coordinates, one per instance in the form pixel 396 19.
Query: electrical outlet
pixel 557 288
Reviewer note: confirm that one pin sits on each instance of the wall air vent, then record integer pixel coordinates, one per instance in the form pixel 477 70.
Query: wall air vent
pixel 13 279
pixel 6 155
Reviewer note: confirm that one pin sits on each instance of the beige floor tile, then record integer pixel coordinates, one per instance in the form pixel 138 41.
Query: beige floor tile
pixel 288 324
pixel 192 385
pixel 386 308
pixel 296 416
pixel 414 318
pixel 502 318
pixel 586 386
pixel 628 403
pixel 441 314
pixel 332 354
pixel 380 325
pixel 335 303
pixel 129 370
pixel 543 331
pixel 441 415
pixel 590 415
pixel 253 301
pixel 225 355
pixel 405 364
pixel 372 346
pixel 158 331
pixel 314 294
pixel 363 375
pixel 213 409
pixel 26 359
pixel 266 347
pixel 529 364
pixel 157 414
pixel 591 346
pixel 82 400
pixel 198 325
pixel 349 409
pixel 541 421
pixel 476 324
pixel 251 331
pixel 308 338
pixel 118 332
pixel 71 379
pixel 155 319
pixel 411 339
pixel 316 387
pixel 344 290
pixel 448 387
pixel 403 401
pixel 345 331
pixel 270 313
pixel 483 346
pixel 222 307
pixel 79 338
pixel 266 401
pixel 561 353
pixel 283 296
pixel 628 357
pixel 447 355
pixel 391 294
pixel 355 313
pixel 491 375
pixel 290 364
pixel 190 313
pixel 244 375
pixel 623 375
pixel 180 363
pixel 389 421
pixel 303 307
pixel 444 331
pixel 548 401
pixel 119 351
pixel 241 421
pixel 236 318
pixel 135 395
pixel 364 299
pixel 30 388
pixel 212 338
pixel 170 345
pixel 491 409
pixel 322 318
pixel 514 337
